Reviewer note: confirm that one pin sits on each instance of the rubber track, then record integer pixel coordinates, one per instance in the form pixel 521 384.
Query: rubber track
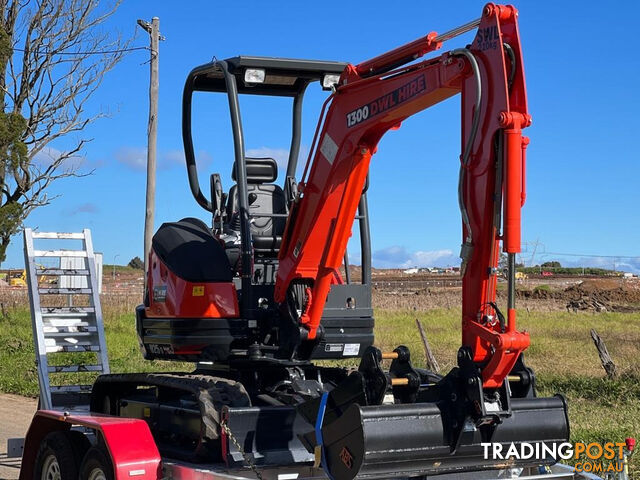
pixel 212 393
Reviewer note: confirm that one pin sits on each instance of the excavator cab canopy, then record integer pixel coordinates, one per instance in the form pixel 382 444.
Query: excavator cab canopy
pixel 285 77
pixel 269 76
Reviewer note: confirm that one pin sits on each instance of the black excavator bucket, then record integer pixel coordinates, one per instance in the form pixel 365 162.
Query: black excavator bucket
pixel 410 439
pixel 374 426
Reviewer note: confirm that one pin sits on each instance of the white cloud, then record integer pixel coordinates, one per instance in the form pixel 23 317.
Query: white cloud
pixel 136 158
pixel 84 208
pixel 203 159
pixel 624 264
pixel 399 257
pixel 45 157
pixel 171 158
pixel 133 157
pixel 280 155
pixel 629 265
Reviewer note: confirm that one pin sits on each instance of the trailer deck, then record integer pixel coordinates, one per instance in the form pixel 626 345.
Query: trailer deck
pixel 134 455
pixel 185 471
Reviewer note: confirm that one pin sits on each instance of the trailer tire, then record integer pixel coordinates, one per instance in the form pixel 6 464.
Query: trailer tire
pixel 80 444
pixel 96 465
pixel 56 458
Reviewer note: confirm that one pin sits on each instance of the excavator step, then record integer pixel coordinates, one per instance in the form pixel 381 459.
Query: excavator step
pixel 70 388
pixel 68 327
pixel 72 348
pixel 74 368
pixel 58 235
pixel 62 271
pixel 64 291
pixel 56 311
pixel 59 253
pixel 70 332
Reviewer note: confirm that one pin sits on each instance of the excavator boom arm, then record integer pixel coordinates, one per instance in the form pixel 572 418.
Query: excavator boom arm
pixel 378 95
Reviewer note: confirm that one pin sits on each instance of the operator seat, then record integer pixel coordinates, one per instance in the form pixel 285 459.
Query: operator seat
pixel 264 198
pixel 191 252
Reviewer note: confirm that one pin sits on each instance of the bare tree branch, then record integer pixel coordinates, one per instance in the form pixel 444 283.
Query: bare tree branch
pixel 53 57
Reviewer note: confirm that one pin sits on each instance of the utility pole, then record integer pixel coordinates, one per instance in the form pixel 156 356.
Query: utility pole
pixel 153 29
pixel 114 265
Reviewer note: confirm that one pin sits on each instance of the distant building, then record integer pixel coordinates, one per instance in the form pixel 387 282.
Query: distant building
pixel 411 271
pixel 79 263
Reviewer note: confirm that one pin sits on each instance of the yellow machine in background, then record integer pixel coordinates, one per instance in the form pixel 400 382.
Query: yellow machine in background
pixel 17 278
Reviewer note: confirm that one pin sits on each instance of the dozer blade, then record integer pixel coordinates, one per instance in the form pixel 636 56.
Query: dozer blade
pixel 391 441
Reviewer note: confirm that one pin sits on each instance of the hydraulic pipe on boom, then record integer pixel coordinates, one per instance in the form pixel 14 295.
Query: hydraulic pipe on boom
pixel 378 95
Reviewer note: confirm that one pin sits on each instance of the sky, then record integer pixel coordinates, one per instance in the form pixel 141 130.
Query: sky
pixel 583 165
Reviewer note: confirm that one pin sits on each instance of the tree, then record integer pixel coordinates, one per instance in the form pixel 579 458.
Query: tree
pixel 136 263
pixel 53 57
pixel 503 261
pixel 553 264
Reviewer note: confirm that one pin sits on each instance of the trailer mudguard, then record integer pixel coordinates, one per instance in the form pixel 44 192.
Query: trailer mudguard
pixel 128 441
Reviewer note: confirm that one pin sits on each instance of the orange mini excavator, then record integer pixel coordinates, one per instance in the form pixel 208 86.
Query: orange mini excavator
pixel 257 295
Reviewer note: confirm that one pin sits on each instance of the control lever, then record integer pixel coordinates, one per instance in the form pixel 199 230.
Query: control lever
pixel 218 199
pixel 291 190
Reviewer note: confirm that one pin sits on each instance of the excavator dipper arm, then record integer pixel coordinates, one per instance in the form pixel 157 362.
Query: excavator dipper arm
pixel 377 96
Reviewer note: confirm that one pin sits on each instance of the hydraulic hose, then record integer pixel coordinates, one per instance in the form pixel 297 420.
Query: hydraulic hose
pixel 512 59
pixel 467 246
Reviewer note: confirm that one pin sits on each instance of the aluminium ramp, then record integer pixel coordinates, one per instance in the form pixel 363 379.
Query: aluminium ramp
pixel 67 323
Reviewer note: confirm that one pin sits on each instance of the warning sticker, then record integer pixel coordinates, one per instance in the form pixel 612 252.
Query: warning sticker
pixel 198 291
pixel 160 293
pixel 329 148
pixel 351 349
pixel 333 347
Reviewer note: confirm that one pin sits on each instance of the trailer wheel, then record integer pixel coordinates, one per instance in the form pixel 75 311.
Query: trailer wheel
pixel 56 458
pixel 96 465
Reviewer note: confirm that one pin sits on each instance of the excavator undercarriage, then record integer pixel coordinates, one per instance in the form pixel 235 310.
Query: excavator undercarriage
pixel 373 422
pixel 259 296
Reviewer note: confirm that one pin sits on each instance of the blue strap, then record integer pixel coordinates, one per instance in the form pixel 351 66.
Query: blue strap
pixel 319 440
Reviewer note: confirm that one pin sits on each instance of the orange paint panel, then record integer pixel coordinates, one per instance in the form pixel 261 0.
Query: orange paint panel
pixel 173 297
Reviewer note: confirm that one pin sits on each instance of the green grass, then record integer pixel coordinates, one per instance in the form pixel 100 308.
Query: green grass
pixel 17 360
pixel 542 288
pixel 562 355
pixel 121 269
pixel 560 341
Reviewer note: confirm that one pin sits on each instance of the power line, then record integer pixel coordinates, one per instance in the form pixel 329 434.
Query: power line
pixel 589 255
pixel 100 52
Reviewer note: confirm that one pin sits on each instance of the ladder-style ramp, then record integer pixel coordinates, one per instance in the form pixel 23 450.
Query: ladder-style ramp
pixel 66 316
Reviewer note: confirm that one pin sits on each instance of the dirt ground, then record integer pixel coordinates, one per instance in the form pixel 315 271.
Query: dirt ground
pixel 19 410
pixel 558 294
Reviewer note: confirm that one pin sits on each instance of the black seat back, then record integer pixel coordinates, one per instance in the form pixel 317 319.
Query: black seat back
pixel 264 198
pixel 191 252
